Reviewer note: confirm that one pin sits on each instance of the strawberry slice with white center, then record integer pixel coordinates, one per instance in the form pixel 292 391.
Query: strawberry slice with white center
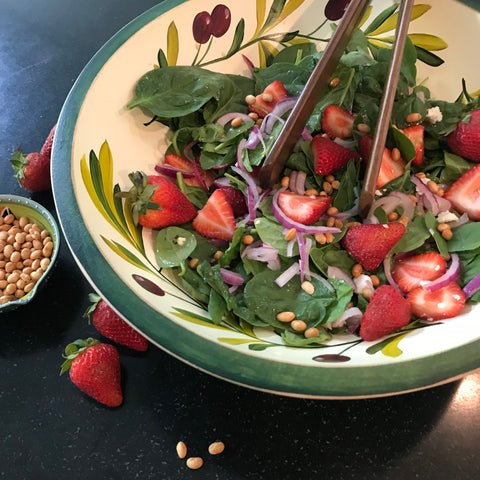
pixel 337 122
pixel 216 218
pixel 445 302
pixel 410 272
pixel 415 134
pixel 464 193
pixel 304 209
pixel 187 166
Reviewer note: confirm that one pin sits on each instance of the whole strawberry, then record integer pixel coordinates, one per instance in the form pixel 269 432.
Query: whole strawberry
pixel 32 170
pixel 112 326
pixel 95 369
pixel 47 146
pixel 328 156
pixel 465 139
pixel 157 202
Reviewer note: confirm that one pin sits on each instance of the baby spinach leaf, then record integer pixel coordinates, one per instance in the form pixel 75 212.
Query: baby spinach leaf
pixel 217 308
pixel 465 237
pixel 455 167
pixel 416 234
pixel 295 339
pixel 172 247
pixel 331 255
pixel 343 295
pixel 432 224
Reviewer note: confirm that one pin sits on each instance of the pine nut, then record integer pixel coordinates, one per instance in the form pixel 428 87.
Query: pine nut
pixel 357 270
pixel 312 332
pixel 447 234
pixel 215 448
pixel 392 216
pixel 320 238
pixel 330 178
pixel 311 192
pixel 285 182
pixel 329 237
pixel 413 118
pixel 396 155
pixel 285 317
pixel 298 325
pixel 331 211
pixel 194 463
pixel 181 450
pixel 363 128
pixel 267 97
pixel 442 227
pixel 334 81
pixel 308 287
pixel 193 263
pixel 250 99
pixel 236 122
pixel 336 184
pixel 247 240
pixel 290 235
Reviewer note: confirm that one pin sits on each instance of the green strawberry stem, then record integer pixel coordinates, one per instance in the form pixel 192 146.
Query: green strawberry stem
pixel 74 349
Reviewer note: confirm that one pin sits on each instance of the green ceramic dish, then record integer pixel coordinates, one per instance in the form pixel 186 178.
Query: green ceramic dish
pixel 99 141
pixel 25 207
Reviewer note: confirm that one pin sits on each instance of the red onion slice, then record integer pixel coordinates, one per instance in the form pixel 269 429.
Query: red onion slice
pixel 430 200
pixel 263 253
pixel 362 282
pixel 288 274
pixel 338 274
pixel 232 278
pixel 170 171
pixel 472 287
pixel 351 316
pixel 387 268
pixel 249 64
pixel 451 275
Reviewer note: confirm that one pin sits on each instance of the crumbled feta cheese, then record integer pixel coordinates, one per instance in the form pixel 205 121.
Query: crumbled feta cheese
pixel 434 115
pixel 446 217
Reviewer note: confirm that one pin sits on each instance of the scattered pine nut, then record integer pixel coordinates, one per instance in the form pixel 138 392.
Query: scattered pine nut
pixel 285 317
pixel 441 227
pixel 330 221
pixel 336 184
pixel 413 118
pixel 290 235
pixel 392 216
pixel 421 175
pixel 396 155
pixel 375 280
pixel 218 254
pixel 331 211
pixel 285 182
pixel 357 270
pixel 236 122
pixel 181 450
pixel 267 97
pixel 193 263
pixel 447 234
pixel 329 237
pixel 215 448
pixel 338 224
pixel 330 178
pixel 194 463
pixel 327 187
pixel 253 116
pixel 312 332
pixel 250 99
pixel 308 287
pixel 247 240
pixel 432 186
pixel 404 220
pixel 320 238
pixel 334 81
pixel 310 192
pixel 299 325
pixel 367 293
pixel 363 128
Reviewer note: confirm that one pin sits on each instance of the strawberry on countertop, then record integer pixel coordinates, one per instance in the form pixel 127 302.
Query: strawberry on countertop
pixel 112 326
pixel 32 170
pixel 409 272
pixel 445 302
pixel 464 193
pixel 328 156
pixel 465 139
pixel 303 208
pixel 157 202
pixel 369 244
pixel 95 369
pixel 337 122
pixel 216 219
pixel 47 146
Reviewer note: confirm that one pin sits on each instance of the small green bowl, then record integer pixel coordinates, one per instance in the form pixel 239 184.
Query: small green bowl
pixel 25 207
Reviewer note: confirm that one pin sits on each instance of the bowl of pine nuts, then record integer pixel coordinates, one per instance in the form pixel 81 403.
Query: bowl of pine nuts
pixel 29 244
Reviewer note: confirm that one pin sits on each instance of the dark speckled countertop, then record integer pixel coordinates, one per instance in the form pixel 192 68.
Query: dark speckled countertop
pixel 50 430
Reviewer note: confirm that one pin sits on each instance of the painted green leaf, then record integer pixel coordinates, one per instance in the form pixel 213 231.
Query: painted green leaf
pixel 390 22
pixel 428 42
pixel 162 59
pixel 197 319
pixel 237 38
pixel 126 254
pixel 261 8
pixel 428 57
pixel 172 44
pixel 379 19
pixel 237 341
pixel 380 346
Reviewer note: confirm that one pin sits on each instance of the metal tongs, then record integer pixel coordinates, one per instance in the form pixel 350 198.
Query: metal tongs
pixel 314 88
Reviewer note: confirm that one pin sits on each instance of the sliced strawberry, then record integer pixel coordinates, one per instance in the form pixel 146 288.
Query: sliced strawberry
pixel 410 272
pixel 303 208
pixel 464 193
pixel 265 101
pixel 216 218
pixel 387 312
pixel 445 302
pixel 369 244
pixel 187 166
pixel 465 139
pixel 389 168
pixel 236 199
pixel 337 122
pixel 157 202
pixel 415 133
pixel 329 156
